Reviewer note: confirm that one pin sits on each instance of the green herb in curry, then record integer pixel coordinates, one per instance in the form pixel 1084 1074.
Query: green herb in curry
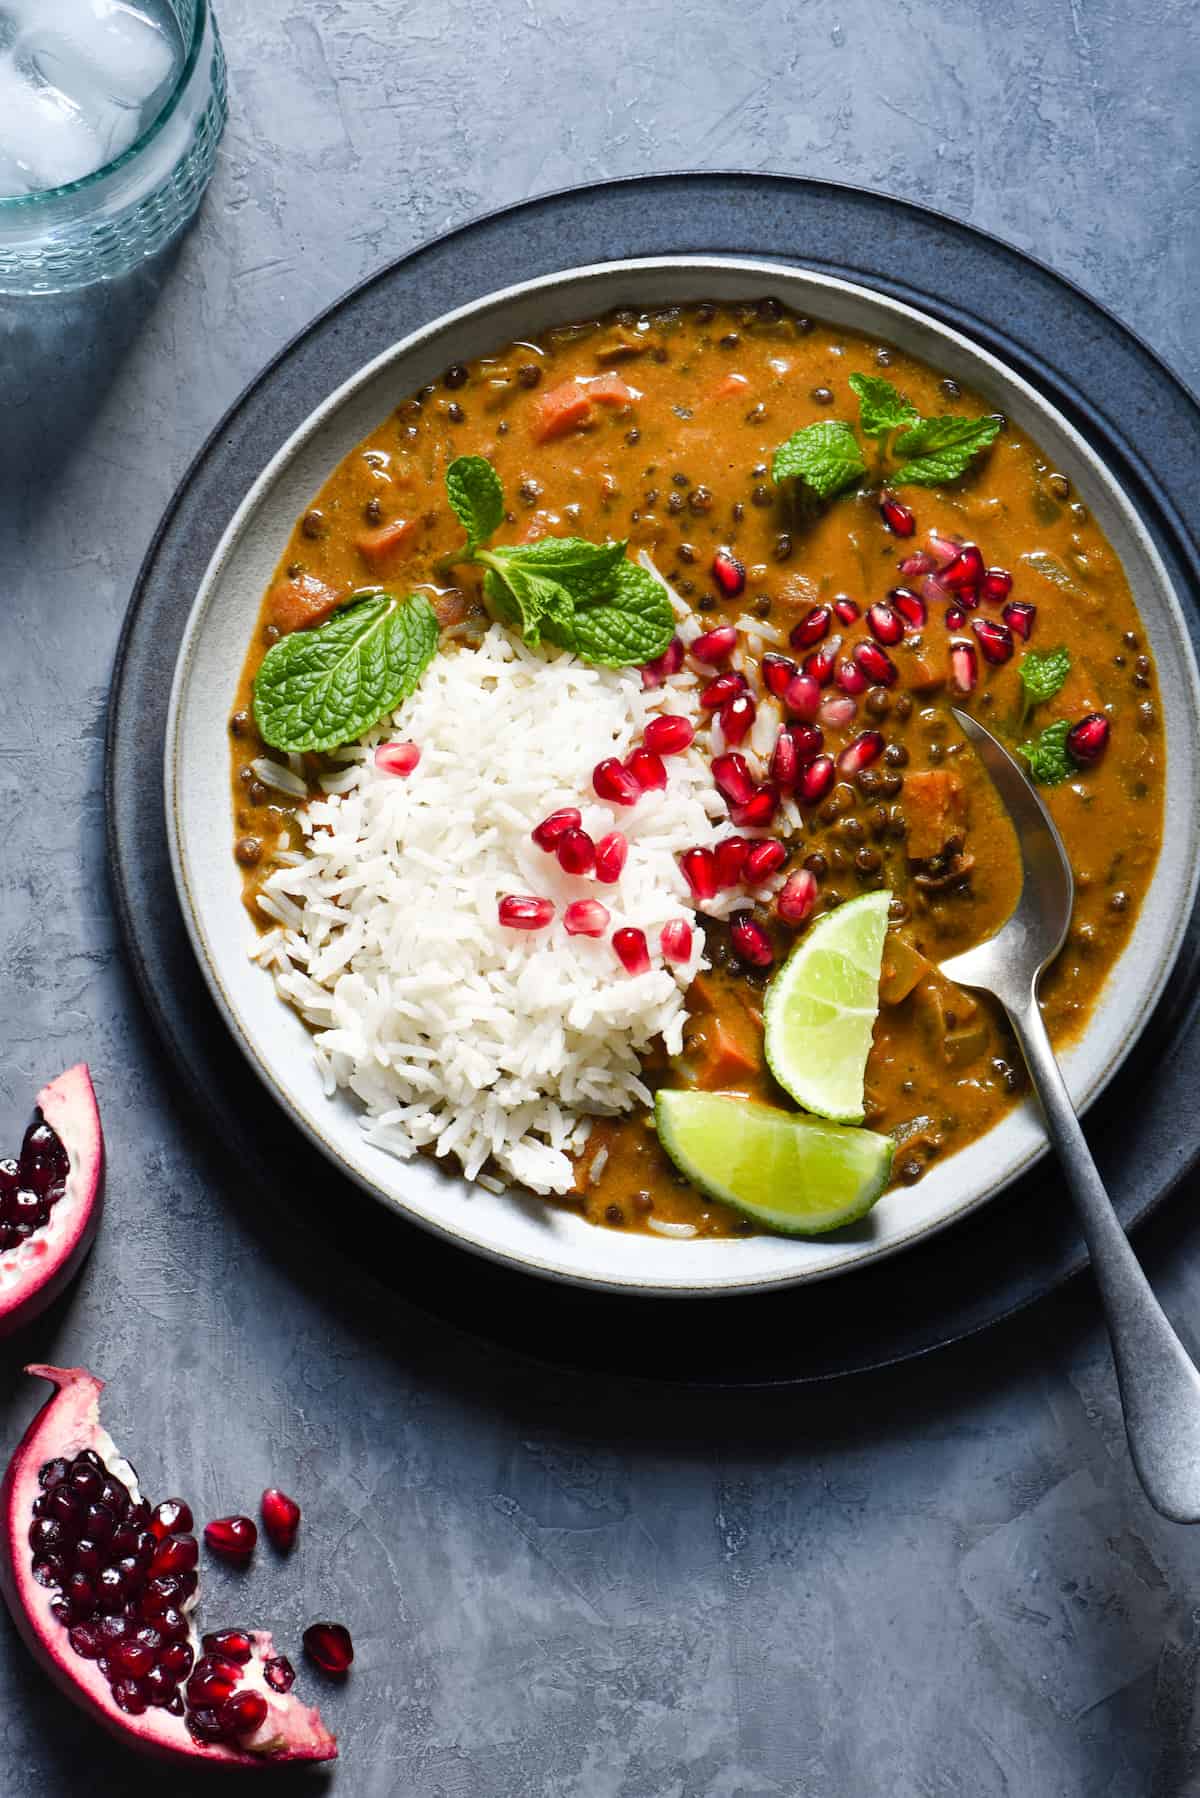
pixel 1049 761
pixel 1043 673
pixel 826 457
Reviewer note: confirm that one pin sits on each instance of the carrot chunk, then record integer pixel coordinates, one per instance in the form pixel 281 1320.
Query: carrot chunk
pixel 559 410
pixel 934 804
pixel 610 390
pixel 296 604
pixel 729 385
pixel 721 1056
pixel 384 545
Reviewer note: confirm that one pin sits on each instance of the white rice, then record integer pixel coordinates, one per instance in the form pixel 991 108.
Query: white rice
pixel 491 1045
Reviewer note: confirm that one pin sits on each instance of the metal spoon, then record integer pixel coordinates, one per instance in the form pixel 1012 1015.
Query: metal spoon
pixel 1160 1388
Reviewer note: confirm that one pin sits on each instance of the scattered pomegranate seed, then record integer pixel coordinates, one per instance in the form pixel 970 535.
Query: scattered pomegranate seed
pixel 547 833
pixel 815 779
pixel 811 628
pixel 765 858
pixel 797 896
pixel 1019 617
pixel 516 911
pixel 329 1645
pixel 777 671
pixel 632 950
pixel 885 625
pixel 669 662
pixel 737 715
pixel 943 549
pixel 955 618
pixel 964 666
pixel 233 1644
pixel 1087 740
pixel 759 810
pixel 934 594
pixel 615 783
pixel 996 584
pixel 730 855
pixel 648 769
pixel 995 640
pixel 750 941
pixel 910 606
pixel 846 608
pixel 839 710
pixel 785 761
pixel 819 665
pixel 876 664
pixel 808 740
pixel 279 1673
pixel 611 854
pixel 586 917
pixel 236 1536
pixel 728 573
pixel 726 686
pixel 850 677
pixel 918 563
pixel 733 779
pixel 576 852
pixel 668 734
pixel 897 517
pixel 965 573
pixel 397 758
pixel 715 645
pixel 700 871
pixel 676 940
pixel 171 1516
pixel 865 749
pixel 802 696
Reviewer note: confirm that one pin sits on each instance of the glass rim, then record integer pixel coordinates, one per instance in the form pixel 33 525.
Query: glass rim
pixel 44 195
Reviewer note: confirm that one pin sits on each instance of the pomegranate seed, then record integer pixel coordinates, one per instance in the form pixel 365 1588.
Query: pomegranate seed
pixel 329 1645
pixel 726 686
pixel 516 911
pixel 897 517
pixel 1087 740
pixel 846 608
pixel 995 640
pixel 716 645
pixel 668 734
pixel 576 852
pixel 737 715
pixel 175 1554
pixel 850 677
pixel 750 941
pixel 244 1712
pixel 802 696
pixel 586 917
pixel 910 606
pixel 547 833
pixel 233 1644
pixel 213 1681
pixel 730 854
pixel 819 665
pixel 885 625
pixel 964 666
pixel 777 671
pixel 171 1515
pixel 1019 617
pixel 759 810
pixel 918 563
pixel 279 1673
pixel 785 761
pixel 765 858
pixel 700 871
pixel 669 662
pixel 797 896
pixel 611 854
pixel 728 573
pixel 965 572
pixel 647 768
pixel 631 949
pixel 865 749
pixel 815 780
pixel 996 584
pixel 676 940
pixel 876 664
pixel 615 783
pixel 808 740
pixel 955 618
pixel 397 758
pixel 237 1535
pixel 943 549
pixel 811 628
pixel 934 594
pixel 733 779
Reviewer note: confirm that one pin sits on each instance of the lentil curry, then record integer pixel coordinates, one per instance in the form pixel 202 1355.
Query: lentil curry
pixel 661 427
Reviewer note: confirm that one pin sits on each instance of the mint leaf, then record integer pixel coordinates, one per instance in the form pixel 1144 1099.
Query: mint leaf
pixel 1049 763
pixel 1043 673
pixel 632 626
pixel 881 407
pixel 474 491
pixel 585 569
pixel 825 457
pixel 321 687
pixel 935 450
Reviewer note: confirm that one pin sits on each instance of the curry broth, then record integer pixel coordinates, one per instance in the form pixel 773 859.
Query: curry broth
pixel 680 467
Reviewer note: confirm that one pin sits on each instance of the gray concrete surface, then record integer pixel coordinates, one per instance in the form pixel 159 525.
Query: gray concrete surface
pixel 938 1583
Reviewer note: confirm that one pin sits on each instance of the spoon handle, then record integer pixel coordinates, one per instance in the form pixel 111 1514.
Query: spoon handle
pixel 1160 1387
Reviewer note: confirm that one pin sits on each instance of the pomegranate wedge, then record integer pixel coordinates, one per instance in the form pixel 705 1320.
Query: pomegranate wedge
pixel 51 1197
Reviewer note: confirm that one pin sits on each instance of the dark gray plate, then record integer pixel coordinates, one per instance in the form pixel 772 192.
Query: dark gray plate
pixel 973 1274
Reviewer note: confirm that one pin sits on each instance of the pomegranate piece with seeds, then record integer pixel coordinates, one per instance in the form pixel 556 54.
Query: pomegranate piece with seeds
pixel 547 833
pixel 612 852
pixel 669 734
pixel 133 1662
pixel 797 896
pixel 281 1517
pixel 1087 740
pixel 655 673
pixel 750 941
pixel 516 911
pixel 613 782
pixel 329 1644
pixel 234 1537
pixel 897 516
pixel 586 917
pixel 675 939
pixel 51 1196
pixel 576 851
pixel 728 573
pixel 716 645
pixel 633 953
pixel 812 627
pixel 995 640
pixel 397 758
pixel 737 716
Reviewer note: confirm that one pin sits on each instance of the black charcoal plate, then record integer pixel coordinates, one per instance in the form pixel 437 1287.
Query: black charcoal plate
pixel 1146 1135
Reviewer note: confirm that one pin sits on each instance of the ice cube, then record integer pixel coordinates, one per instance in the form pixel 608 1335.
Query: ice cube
pixel 43 131
pixel 108 46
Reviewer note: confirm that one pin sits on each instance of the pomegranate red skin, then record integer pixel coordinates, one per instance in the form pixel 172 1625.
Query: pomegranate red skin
pixel 67 1422
pixel 33 1274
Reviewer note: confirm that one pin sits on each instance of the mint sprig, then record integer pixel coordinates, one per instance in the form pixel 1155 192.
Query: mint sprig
pixel 1043 674
pixel 823 458
pixel 881 407
pixel 474 491
pixel 1049 761
pixel 322 687
pixel 937 450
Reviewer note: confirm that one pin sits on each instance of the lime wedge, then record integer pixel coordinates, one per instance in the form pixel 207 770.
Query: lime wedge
pixel 798 1175
pixel 821 1008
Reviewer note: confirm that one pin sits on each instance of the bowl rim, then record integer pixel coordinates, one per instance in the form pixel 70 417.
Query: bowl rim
pixel 456 1228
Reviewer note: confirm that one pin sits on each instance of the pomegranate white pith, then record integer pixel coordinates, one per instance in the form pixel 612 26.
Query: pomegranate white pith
pixel 34 1272
pixel 68 1423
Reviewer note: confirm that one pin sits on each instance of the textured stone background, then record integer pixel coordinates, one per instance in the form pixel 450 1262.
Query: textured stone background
pixel 938 1583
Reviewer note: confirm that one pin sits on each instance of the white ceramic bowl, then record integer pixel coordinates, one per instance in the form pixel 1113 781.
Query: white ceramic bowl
pixel 524 1230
